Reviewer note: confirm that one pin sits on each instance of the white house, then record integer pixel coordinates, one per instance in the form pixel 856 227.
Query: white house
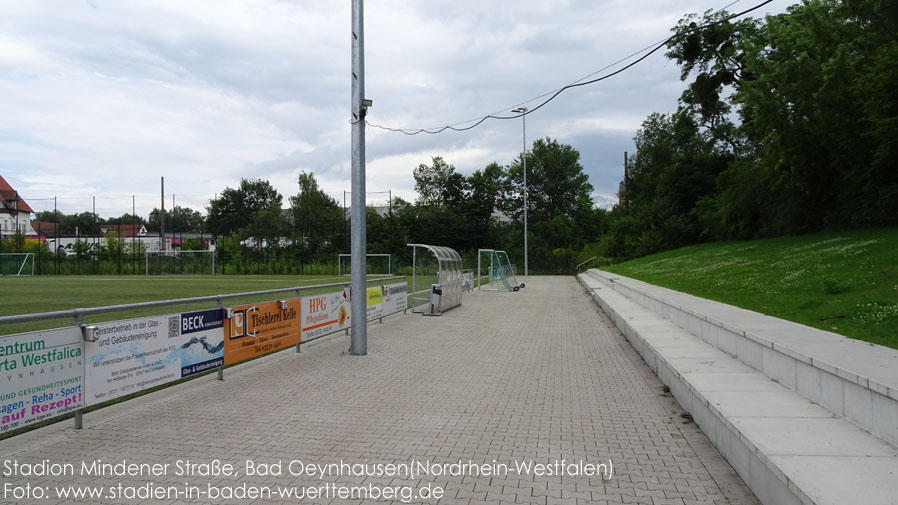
pixel 15 213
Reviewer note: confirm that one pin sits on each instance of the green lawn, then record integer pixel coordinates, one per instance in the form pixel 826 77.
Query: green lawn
pixel 24 295
pixel 844 282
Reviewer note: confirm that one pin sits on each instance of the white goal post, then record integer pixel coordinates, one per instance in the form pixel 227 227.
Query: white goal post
pixel 188 262
pixel 382 266
pixel 16 263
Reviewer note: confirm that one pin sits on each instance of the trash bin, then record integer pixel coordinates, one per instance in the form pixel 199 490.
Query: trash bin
pixel 436 293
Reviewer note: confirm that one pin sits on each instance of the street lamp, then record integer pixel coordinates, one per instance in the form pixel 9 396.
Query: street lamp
pixel 523 112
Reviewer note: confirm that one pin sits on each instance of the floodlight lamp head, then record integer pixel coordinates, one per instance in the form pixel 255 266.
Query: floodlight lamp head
pixel 367 102
pixel 520 110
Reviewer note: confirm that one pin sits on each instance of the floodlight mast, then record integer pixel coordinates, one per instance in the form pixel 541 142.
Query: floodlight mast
pixel 359 106
pixel 523 112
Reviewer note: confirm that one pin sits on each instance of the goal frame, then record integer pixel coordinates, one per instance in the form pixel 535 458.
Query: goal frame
pixel 24 257
pixel 176 252
pixel 497 271
pixel 378 255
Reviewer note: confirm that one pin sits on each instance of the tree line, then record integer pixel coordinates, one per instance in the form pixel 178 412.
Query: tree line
pixel 788 125
pixel 465 212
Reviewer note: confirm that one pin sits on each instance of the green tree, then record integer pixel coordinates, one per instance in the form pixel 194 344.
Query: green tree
pixel 113 247
pixel 81 248
pixel 178 219
pixel 486 191
pixel 127 218
pixel 85 223
pixel 560 208
pixel 814 90
pixel 556 183
pixel 438 183
pixel 317 220
pixel 236 209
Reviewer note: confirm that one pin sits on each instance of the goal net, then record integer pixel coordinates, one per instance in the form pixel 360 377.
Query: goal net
pixel 375 264
pixel 499 271
pixel 198 262
pixel 16 263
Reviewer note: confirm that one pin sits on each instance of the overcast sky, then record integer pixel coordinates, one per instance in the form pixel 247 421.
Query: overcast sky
pixel 101 98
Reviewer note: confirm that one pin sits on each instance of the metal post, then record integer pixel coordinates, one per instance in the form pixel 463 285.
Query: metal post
pixel 78 412
pixel 359 339
pixel 478 270
pixel 524 160
pixel 162 218
pixel 56 239
pixel 298 344
pixel 351 315
pixel 414 268
pixel 523 112
pixel 221 368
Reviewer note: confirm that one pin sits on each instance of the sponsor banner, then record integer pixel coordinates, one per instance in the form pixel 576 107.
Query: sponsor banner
pixel 395 297
pixel 136 354
pixel 467 281
pixel 323 314
pixel 40 376
pixel 261 328
pixel 375 297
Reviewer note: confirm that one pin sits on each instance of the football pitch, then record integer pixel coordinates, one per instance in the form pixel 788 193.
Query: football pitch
pixel 27 295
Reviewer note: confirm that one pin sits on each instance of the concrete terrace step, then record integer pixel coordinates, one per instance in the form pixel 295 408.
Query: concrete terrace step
pixel 854 379
pixel 787 448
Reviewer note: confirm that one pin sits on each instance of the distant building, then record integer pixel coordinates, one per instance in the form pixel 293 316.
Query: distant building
pixel 43 228
pixel 124 230
pixel 15 213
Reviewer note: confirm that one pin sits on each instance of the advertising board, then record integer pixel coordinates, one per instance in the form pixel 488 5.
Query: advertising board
pixel 40 376
pixel 260 328
pixel 136 354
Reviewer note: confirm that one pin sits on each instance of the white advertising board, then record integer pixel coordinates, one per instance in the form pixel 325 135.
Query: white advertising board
pixel 323 314
pixel 40 376
pixel 395 297
pixel 137 354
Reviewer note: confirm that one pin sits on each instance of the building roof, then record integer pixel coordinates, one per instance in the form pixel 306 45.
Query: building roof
pixel 124 230
pixel 10 199
pixel 44 228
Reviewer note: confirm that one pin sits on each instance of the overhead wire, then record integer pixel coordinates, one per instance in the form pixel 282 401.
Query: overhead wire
pixel 653 48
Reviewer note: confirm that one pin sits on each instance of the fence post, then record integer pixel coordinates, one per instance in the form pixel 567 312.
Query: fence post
pixel 221 368
pixel 346 331
pixel 299 344
pixel 79 317
pixel 380 284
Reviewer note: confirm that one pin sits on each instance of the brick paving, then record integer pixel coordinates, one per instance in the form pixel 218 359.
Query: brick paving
pixel 535 376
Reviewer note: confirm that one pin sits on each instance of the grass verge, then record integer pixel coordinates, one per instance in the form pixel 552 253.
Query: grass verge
pixel 843 282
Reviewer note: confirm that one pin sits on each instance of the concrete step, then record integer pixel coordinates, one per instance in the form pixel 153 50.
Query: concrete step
pixel 787 448
pixel 853 379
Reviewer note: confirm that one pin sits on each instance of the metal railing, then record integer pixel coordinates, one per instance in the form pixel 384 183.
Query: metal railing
pixel 79 314
pixel 593 259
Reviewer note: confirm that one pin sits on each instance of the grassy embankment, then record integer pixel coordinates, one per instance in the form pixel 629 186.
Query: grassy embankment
pixel 844 282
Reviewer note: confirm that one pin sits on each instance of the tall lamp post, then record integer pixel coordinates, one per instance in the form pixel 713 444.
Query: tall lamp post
pixel 523 112
pixel 359 337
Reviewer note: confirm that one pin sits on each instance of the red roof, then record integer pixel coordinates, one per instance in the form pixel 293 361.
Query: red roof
pixel 9 198
pixel 123 230
pixel 44 228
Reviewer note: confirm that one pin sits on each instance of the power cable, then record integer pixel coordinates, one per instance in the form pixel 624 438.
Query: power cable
pixel 554 94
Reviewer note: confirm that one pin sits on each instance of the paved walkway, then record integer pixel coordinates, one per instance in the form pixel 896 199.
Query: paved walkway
pixel 510 379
